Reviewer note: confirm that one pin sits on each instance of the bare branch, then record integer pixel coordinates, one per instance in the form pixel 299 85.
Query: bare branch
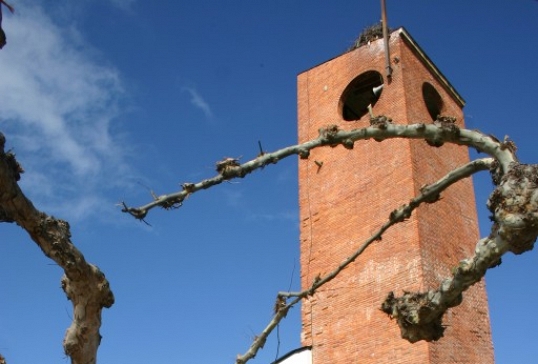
pixel 382 128
pixel 514 205
pixel 259 341
pixel 84 284
pixel 434 303
pixel 429 194
pixel 419 315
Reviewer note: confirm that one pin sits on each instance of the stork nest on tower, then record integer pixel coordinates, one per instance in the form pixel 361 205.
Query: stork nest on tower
pixel 369 34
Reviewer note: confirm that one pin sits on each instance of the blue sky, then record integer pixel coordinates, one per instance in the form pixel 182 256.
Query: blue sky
pixel 103 101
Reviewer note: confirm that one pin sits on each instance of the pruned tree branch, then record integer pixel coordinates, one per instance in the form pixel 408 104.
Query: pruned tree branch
pixel 84 284
pixel 429 194
pixel 514 204
pixel 382 128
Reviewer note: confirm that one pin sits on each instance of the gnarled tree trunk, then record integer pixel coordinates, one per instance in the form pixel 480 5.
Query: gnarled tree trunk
pixel 84 284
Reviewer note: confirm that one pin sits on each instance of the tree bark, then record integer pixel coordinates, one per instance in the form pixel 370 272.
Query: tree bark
pixel 381 129
pixel 84 284
pixel 514 204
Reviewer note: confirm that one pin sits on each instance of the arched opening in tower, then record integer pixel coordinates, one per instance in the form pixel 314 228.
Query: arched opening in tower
pixel 361 93
pixel 432 99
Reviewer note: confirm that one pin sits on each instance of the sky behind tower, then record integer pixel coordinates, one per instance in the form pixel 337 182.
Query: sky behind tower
pixel 103 101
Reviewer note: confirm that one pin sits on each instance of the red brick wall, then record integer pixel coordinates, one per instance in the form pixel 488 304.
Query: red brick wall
pixel 353 193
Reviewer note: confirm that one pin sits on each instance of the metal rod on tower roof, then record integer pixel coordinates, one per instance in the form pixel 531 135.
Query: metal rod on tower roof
pixel 386 40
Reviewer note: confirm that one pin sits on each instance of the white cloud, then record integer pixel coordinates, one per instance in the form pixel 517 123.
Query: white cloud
pixel 57 104
pixel 199 102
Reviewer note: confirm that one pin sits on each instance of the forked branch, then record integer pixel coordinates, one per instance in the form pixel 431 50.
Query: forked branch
pixel 429 194
pixel 84 284
pixel 514 204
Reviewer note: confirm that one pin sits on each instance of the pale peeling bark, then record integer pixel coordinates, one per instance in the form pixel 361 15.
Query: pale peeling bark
pixel 84 284
pixel 382 128
pixel 514 204
pixel 429 194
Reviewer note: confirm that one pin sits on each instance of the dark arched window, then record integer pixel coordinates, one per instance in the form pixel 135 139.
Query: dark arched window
pixel 362 92
pixel 432 99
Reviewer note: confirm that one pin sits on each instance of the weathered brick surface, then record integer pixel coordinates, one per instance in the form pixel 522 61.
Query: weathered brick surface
pixel 353 193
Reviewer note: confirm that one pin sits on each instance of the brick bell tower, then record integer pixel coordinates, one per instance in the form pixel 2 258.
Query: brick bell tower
pixel 346 195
